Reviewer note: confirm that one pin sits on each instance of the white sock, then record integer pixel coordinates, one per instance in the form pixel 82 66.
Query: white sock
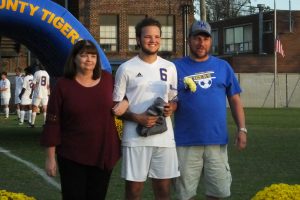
pixel 6 112
pixel 45 115
pixel 33 116
pixel 29 116
pixel 26 115
pixel 22 115
pixel 18 113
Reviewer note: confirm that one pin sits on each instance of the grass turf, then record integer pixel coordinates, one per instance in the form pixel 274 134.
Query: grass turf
pixel 272 156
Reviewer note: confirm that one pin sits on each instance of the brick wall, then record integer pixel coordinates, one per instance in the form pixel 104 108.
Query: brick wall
pixel 10 62
pixel 90 10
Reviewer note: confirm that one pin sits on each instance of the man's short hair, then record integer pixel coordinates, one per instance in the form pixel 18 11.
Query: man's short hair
pixel 146 22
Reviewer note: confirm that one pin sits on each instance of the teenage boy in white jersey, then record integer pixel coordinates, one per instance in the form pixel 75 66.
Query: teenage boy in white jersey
pixel 41 88
pixel 141 80
pixel 25 97
pixel 5 93
pixel 18 89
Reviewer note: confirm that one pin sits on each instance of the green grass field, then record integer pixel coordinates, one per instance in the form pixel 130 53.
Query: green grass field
pixel 272 156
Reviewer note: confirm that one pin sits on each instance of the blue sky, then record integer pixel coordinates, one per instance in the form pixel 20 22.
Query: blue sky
pixel 280 4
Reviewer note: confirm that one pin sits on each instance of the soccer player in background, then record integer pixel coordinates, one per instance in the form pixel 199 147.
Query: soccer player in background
pixel 18 89
pixel 41 91
pixel 25 97
pixel 5 93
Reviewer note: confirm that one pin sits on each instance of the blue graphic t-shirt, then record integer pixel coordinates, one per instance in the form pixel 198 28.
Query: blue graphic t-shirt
pixel 200 118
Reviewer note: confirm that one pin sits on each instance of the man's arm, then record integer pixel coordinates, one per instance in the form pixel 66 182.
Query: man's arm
pixel 21 93
pixel 31 93
pixel 144 119
pixel 3 89
pixel 120 110
pixel 238 115
pixel 170 108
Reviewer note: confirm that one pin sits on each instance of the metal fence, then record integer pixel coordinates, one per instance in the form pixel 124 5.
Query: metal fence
pixel 258 90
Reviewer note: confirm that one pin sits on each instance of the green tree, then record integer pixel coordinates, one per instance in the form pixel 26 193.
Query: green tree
pixel 224 9
pixel 216 10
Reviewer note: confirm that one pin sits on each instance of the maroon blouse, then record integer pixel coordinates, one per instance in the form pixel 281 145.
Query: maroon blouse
pixel 80 123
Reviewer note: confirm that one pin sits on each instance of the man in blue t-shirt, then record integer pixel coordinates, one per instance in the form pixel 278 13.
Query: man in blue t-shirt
pixel 204 83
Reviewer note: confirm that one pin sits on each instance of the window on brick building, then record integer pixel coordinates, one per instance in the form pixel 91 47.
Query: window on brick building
pixel 167 32
pixel 238 39
pixel 132 20
pixel 108 32
pixel 268 26
pixel 215 42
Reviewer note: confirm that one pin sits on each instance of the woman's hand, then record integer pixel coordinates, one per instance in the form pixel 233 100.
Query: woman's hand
pixel 51 166
pixel 120 108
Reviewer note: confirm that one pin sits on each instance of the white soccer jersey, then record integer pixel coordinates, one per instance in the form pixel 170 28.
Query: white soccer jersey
pixel 142 83
pixel 27 85
pixel 5 84
pixel 18 85
pixel 41 80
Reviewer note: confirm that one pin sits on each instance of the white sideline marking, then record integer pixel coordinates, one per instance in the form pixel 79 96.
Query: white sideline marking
pixel 33 167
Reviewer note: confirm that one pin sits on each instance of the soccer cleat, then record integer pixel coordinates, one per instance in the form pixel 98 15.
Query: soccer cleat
pixel 20 123
pixel 31 126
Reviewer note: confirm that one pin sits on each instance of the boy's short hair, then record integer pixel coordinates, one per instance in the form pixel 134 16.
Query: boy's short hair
pixel 4 73
pixel 146 22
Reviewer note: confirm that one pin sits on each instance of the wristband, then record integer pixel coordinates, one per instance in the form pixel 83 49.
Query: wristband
pixel 243 130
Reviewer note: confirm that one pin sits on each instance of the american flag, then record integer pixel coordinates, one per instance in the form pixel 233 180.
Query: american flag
pixel 278 47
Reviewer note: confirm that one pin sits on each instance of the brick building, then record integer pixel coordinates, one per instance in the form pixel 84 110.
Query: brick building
pixel 112 22
pixel 238 41
pixel 113 26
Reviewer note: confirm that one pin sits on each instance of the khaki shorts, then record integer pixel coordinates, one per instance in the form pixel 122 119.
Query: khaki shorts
pixel 138 163
pixel 211 162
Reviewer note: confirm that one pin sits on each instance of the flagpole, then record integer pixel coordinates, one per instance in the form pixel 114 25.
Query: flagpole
pixel 290 16
pixel 275 56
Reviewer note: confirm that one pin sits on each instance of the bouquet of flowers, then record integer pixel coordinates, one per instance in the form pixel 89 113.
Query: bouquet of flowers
pixel 119 126
pixel 5 195
pixel 190 84
pixel 279 191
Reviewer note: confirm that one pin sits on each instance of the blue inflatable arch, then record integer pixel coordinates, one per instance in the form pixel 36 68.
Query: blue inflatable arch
pixel 47 29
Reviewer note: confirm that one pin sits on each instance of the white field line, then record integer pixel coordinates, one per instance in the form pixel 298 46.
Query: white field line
pixel 33 167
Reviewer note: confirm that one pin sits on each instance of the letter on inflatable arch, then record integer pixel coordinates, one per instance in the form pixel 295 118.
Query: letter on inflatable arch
pixel 47 29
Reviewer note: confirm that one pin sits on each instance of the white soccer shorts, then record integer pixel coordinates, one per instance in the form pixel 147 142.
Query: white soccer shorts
pixel 138 163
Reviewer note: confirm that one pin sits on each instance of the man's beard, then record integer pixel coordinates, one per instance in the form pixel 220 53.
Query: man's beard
pixel 148 52
pixel 196 55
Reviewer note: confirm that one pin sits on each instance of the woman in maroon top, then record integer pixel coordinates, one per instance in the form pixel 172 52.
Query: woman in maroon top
pixel 80 127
